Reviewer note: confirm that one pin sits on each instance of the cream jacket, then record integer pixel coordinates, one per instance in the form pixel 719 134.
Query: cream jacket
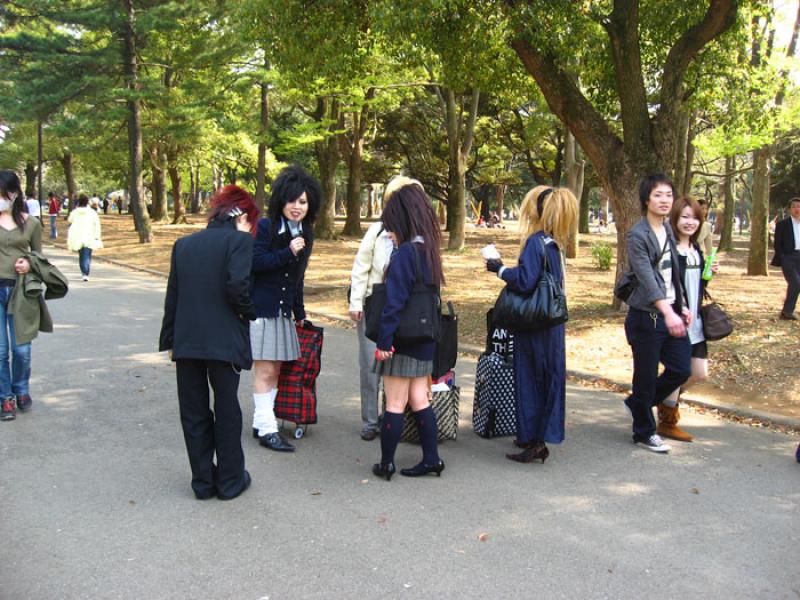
pixel 84 229
pixel 369 265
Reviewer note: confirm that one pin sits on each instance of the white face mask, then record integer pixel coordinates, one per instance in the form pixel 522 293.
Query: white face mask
pixel 5 204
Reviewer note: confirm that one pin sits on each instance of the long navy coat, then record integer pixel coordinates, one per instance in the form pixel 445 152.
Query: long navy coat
pixel 539 356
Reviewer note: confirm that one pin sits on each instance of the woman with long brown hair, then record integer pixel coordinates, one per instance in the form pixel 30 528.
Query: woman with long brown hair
pixel 687 219
pixel 547 216
pixel 405 366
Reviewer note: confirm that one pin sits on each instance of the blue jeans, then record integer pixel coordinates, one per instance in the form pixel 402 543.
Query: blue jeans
pixel 53 228
pixel 85 260
pixel 651 344
pixel 14 378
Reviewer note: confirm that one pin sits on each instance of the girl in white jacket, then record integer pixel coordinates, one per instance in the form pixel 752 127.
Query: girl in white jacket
pixel 84 234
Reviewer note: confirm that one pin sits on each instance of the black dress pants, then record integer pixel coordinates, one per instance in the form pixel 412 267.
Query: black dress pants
pixel 791 271
pixel 206 432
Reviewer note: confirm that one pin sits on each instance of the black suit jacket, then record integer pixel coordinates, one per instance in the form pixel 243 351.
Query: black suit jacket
pixel 208 308
pixel 784 240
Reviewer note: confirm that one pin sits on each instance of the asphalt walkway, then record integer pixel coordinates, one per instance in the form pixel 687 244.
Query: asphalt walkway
pixel 96 501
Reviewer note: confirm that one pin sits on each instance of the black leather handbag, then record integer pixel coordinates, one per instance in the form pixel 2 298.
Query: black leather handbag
pixel 420 319
pixel 446 353
pixel 716 322
pixel 546 307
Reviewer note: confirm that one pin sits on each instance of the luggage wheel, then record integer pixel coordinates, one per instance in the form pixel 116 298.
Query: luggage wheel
pixel 299 431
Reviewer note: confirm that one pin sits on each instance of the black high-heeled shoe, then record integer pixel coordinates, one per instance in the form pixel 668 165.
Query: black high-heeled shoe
pixel 531 454
pixel 384 470
pixel 421 469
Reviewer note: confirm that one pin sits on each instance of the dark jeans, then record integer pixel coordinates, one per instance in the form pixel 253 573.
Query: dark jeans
pixel 206 432
pixel 790 264
pixel 53 228
pixel 85 260
pixel 651 344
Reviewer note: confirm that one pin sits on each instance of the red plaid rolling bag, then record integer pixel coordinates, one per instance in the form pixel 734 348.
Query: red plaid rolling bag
pixel 297 385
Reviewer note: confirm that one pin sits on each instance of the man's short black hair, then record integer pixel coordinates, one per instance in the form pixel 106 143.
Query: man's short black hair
pixel 649 183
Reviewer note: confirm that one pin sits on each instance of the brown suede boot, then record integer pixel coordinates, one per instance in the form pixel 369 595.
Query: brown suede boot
pixel 668 417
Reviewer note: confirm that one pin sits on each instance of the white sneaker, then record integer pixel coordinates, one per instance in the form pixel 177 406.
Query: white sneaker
pixel 86 278
pixel 654 443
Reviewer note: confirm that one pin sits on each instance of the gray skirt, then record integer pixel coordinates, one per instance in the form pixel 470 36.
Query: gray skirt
pixel 401 365
pixel 274 339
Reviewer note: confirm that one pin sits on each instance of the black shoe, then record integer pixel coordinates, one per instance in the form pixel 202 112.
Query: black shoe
pixel 788 317
pixel 368 435
pixel 24 402
pixel 255 432
pixel 422 469
pixel 274 441
pixel 207 495
pixel 384 470
pixel 245 485
pixel 8 412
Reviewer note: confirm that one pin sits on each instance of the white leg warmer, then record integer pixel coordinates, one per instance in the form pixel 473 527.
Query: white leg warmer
pixel 264 413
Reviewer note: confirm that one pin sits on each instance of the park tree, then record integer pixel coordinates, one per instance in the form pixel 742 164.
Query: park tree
pixel 625 114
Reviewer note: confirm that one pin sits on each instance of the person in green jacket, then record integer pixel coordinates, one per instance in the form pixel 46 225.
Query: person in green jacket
pixel 19 235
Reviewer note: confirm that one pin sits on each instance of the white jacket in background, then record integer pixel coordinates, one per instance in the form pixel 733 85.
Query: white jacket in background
pixel 369 265
pixel 84 229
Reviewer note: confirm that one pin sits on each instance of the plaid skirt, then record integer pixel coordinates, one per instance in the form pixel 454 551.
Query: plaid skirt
pixel 401 365
pixel 274 339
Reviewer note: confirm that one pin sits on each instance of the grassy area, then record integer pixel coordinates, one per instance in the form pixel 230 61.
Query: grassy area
pixel 755 367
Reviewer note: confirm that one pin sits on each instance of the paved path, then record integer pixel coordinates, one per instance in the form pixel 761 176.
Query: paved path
pixel 96 500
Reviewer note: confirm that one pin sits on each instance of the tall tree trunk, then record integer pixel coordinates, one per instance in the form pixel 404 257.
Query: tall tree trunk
pixel 68 164
pixel 158 169
pixel 575 169
pixel 30 179
pixel 352 224
pixel 583 217
pixel 328 157
pixel 355 160
pixel 500 199
pixel 39 160
pixel 178 207
pixel 370 201
pixel 261 172
pixel 460 130
pixel 759 233
pixel 135 158
pixel 729 208
pixel 196 191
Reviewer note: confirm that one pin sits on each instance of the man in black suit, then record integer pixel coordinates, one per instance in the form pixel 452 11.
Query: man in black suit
pixel 207 331
pixel 787 256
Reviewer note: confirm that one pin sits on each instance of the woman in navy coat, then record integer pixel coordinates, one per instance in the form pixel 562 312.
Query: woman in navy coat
pixel 280 256
pixel 547 216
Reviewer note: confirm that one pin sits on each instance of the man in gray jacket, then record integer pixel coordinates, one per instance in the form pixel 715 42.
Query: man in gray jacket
pixel 655 326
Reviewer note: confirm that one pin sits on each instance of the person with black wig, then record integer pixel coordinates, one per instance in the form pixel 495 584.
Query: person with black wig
pixel 206 329
pixel 411 222
pixel 284 240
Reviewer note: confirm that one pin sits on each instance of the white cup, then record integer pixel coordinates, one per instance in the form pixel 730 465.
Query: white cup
pixel 490 252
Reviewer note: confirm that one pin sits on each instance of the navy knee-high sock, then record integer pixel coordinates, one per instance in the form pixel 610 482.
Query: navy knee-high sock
pixel 426 424
pixel 391 430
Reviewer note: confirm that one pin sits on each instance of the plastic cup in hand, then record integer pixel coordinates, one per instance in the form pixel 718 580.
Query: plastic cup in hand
pixel 490 252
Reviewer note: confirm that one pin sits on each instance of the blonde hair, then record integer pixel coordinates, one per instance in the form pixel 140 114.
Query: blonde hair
pixel 559 213
pixel 398 182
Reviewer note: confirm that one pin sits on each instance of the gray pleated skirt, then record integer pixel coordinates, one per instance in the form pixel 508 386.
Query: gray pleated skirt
pixel 274 339
pixel 401 365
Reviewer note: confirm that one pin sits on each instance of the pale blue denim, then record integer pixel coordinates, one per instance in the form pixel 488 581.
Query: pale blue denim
pixel 15 373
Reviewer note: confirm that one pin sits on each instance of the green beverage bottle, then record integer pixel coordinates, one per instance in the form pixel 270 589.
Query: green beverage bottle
pixel 707 272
